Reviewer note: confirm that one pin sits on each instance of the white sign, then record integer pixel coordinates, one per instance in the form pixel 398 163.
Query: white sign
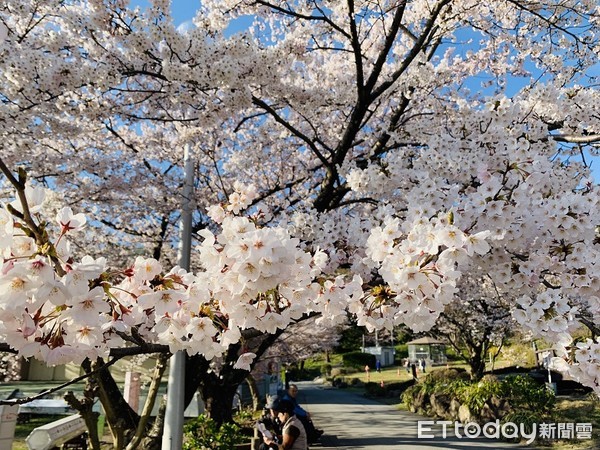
pixel 8 422
pixel 55 433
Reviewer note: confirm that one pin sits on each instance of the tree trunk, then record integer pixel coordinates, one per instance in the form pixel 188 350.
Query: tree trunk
pixel 218 394
pixel 85 408
pixel 477 364
pixel 253 392
pixel 153 440
pixel 159 369
pixel 218 390
pixel 196 369
pixel 121 419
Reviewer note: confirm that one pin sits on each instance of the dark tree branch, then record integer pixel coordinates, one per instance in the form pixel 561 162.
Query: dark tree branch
pixel 299 134
pixel 20 401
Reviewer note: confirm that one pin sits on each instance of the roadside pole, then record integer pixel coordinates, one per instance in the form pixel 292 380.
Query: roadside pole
pixel 172 438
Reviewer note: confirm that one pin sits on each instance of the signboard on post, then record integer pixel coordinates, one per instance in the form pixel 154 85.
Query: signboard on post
pixel 8 422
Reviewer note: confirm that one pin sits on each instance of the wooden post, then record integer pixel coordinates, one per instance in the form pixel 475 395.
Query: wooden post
pixel 132 388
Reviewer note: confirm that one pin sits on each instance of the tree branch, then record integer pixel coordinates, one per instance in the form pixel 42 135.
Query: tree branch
pixel 20 401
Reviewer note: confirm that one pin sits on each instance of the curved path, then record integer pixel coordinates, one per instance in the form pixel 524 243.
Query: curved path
pixel 352 421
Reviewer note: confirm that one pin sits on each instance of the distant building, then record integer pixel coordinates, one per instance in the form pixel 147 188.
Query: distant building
pixel 35 370
pixel 385 355
pixel 428 348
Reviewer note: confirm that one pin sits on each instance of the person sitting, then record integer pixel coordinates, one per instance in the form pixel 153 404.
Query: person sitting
pixel 293 434
pixel 268 424
pixel 312 432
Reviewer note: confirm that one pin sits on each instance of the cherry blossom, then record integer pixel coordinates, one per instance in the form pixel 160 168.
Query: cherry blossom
pixel 253 278
pixel 349 157
pixel 69 221
pixel 244 361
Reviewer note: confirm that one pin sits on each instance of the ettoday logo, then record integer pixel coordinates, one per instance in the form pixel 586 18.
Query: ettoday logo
pixel 508 430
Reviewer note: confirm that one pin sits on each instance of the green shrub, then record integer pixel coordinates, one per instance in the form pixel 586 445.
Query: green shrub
pixel 476 395
pixel 355 381
pixel 203 433
pixel 522 393
pixel 401 353
pixel 529 402
pixel 409 395
pixel 525 393
pixel 452 355
pixel 412 392
pixel 326 369
pixel 375 390
pixel 444 375
pixel 359 360
pixel 527 419
pixel 244 417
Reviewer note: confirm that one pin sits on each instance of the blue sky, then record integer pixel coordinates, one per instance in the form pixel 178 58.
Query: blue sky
pixel 183 10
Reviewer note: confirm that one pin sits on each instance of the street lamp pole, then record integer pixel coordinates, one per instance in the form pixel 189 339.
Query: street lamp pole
pixel 172 438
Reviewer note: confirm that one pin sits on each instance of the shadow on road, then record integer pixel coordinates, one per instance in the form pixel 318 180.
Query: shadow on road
pixel 398 443
pixel 352 421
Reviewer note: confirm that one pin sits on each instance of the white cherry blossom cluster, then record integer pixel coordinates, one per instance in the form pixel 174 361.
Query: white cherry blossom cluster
pixel 338 296
pixel 420 267
pixel 549 314
pixel 58 310
pixel 258 276
pixel 504 180
pixel 581 361
pixel 240 199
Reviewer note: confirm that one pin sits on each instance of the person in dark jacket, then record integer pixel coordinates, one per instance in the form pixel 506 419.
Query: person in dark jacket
pixel 312 432
pixel 293 434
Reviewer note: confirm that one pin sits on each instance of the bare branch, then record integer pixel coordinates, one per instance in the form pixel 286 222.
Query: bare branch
pixel 575 139
pixel 21 401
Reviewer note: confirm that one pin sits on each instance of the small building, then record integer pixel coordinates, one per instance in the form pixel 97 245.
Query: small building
pixel 431 350
pixel 384 354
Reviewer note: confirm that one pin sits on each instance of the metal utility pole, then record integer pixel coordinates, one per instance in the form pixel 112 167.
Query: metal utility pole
pixel 172 438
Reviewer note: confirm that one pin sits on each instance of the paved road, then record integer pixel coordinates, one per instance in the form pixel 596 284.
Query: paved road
pixel 352 421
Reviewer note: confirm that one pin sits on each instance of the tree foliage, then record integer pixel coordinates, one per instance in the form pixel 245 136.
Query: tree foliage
pixel 477 322
pixel 351 157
